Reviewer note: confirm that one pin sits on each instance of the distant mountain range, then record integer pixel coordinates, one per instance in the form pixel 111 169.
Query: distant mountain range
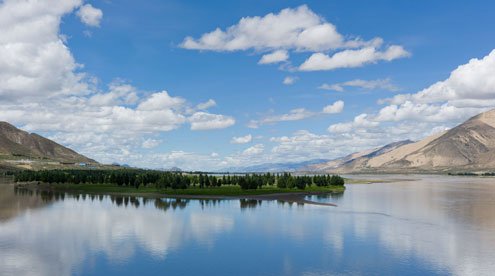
pixel 469 147
pixel 20 149
pixel 275 167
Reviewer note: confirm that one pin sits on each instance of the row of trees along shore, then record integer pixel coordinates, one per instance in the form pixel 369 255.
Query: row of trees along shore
pixel 175 180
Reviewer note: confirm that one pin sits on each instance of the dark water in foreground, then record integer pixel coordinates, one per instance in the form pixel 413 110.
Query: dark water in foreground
pixel 434 226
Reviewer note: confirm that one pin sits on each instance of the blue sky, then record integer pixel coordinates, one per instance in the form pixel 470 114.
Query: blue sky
pixel 92 75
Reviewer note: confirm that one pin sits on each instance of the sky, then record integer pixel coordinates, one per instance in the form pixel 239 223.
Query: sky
pixel 206 85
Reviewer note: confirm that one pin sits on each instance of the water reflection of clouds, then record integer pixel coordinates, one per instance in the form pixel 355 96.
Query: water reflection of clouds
pixel 450 229
pixel 444 229
pixel 52 241
pixel 446 222
pixel 204 227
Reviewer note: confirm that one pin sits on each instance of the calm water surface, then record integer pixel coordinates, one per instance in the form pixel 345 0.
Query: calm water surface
pixel 433 225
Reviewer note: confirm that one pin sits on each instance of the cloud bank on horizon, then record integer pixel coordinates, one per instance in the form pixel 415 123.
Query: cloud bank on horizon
pixel 46 88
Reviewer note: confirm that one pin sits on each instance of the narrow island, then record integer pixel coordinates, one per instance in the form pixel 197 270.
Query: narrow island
pixel 151 183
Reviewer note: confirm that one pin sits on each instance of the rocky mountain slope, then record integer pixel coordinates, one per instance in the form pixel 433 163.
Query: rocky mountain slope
pixel 19 144
pixel 468 147
pixel 355 158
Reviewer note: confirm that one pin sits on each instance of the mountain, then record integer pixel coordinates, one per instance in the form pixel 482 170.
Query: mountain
pixel 469 146
pixel 16 145
pixel 356 157
pixel 275 167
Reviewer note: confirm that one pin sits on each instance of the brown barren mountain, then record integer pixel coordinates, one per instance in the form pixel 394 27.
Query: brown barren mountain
pixel 469 146
pixel 356 158
pixel 19 144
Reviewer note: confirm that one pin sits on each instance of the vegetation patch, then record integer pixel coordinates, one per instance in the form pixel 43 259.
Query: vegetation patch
pixel 177 183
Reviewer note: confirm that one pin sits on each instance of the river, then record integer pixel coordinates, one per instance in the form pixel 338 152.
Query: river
pixel 413 225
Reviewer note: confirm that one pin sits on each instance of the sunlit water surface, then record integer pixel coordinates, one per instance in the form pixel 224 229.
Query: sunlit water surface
pixel 433 225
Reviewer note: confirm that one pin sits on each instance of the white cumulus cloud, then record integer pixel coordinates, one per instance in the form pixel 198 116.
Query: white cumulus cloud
pixel 297 30
pixel 254 150
pixel 118 94
pixel 151 143
pixel 160 101
pixel 336 107
pixel 43 90
pixel 241 139
pixel 275 57
pixel 361 121
pixel 90 15
pixel 468 90
pixel 34 60
pixel 289 80
pixel 352 58
pixel 206 105
pixel 206 121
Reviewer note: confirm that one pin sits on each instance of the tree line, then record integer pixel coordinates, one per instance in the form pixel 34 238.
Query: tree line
pixel 176 180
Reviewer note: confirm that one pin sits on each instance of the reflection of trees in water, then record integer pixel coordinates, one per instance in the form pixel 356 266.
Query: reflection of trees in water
pixel 283 203
pixel 159 203
pixel 118 200
pixel 134 201
pixel 209 202
pixel 48 196
pixel 23 192
pixel 249 203
pixel 145 201
pixel 163 203
pixel 94 197
pixel 14 202
pixel 126 200
pixel 167 203
pixel 51 196
pixel 45 196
